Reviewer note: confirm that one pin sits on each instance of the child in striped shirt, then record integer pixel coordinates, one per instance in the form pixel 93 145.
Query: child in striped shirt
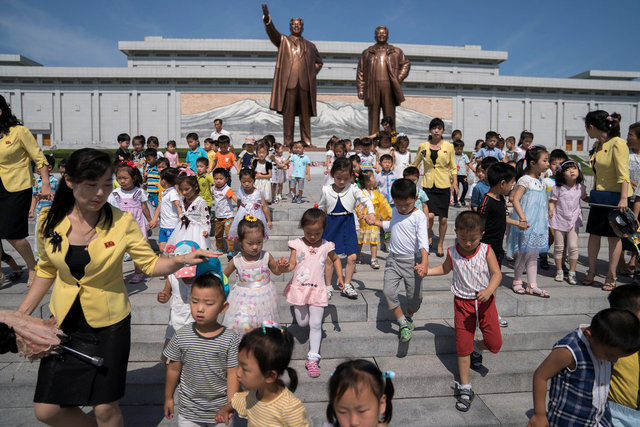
pixel 263 356
pixel 203 355
pixel 476 276
pixel 151 175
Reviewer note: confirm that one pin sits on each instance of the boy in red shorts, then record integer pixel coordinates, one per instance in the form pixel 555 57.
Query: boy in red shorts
pixel 476 276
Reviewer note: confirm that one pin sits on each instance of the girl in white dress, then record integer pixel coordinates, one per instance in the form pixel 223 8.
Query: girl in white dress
pixel 251 202
pixel 195 221
pixel 263 170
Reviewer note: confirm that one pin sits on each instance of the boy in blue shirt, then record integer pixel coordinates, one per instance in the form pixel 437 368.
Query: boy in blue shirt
pixel 482 187
pixel 300 163
pixel 195 151
pixel 491 139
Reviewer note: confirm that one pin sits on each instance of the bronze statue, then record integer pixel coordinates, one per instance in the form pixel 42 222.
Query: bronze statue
pixel 294 82
pixel 381 70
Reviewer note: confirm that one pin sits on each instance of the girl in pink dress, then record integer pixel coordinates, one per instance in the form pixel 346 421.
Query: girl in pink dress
pixel 130 197
pixel 306 290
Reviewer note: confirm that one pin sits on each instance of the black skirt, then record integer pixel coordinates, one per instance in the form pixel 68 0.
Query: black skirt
pixel 67 380
pixel 14 213
pixel 598 222
pixel 438 201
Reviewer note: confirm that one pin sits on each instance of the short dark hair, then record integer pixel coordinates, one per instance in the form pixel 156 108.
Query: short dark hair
pixel 499 172
pixel 217 120
pixel 469 221
pixel 403 189
pixel 219 171
pixel 617 328
pixel 224 139
pixel 491 134
pixel 384 134
pixel 51 161
pixel 62 163
pixel 171 143
pixel 313 215
pixel 205 281
pixel 163 161
pixel 366 141
pixel 151 152
pixel 411 171
pixel 342 164
pixel 455 132
pixel 153 139
pixel 388 120
pixel 487 162
pixel 436 123
pixel 139 138
pixel 626 296
pixel 355 158
pixel 124 137
pixel 247 172
pixel 458 143
pixel 191 180
pixel 203 160
pixel 208 141
pixel 557 154
pixel 386 157
pixel 245 225
pixel 270 139
pixel 170 175
pixel 192 136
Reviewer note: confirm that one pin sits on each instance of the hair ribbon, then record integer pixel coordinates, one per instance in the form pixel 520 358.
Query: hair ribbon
pixel 187 171
pixel 128 163
pixel 250 218
pixel 270 324
pixel 389 375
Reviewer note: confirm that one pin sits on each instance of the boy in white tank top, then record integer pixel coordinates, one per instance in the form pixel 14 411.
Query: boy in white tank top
pixel 476 276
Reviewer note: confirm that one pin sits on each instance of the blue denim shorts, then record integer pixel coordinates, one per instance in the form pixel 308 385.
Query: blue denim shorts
pixel 165 233
pixel 623 416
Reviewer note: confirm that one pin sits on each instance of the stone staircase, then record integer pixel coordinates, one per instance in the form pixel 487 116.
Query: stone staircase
pixel 425 367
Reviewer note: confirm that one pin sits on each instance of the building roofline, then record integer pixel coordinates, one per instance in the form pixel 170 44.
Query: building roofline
pixel 339 75
pixel 160 44
pixel 608 75
pixel 18 60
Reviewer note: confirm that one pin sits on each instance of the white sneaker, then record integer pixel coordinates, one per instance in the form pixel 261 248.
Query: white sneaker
pixel 572 278
pixel 503 322
pixel 560 276
pixel 349 292
pixel 329 292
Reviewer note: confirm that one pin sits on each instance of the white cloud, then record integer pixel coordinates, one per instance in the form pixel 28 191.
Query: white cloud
pixel 46 39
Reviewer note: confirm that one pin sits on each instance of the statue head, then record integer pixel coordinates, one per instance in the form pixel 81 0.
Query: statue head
pixel 382 34
pixel 296 26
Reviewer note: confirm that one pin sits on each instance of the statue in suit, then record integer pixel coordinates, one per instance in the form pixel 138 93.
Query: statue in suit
pixel 381 70
pixel 294 82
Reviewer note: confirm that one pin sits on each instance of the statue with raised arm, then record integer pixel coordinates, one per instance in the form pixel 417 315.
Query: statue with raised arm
pixel 381 70
pixel 294 82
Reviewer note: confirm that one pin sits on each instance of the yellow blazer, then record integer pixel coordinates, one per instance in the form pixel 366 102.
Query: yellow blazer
pixel 16 150
pixel 103 295
pixel 611 166
pixel 439 173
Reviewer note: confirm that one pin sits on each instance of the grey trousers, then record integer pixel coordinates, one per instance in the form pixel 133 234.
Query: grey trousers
pixel 397 268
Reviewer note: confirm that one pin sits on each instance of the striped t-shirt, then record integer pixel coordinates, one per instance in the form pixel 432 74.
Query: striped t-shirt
pixel 153 179
pixel 470 274
pixel 203 379
pixel 284 410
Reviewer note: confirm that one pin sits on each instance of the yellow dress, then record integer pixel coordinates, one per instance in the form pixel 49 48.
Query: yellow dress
pixel 370 234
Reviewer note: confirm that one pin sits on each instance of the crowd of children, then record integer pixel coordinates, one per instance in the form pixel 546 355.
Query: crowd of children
pixel 226 352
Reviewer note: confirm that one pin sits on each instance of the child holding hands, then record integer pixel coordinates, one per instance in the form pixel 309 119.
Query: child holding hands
pixel 476 276
pixel 408 254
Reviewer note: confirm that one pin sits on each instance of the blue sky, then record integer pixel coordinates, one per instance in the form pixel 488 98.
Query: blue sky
pixel 544 38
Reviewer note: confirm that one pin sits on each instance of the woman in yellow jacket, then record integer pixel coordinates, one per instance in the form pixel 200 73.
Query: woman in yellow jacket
pixel 440 178
pixel 610 164
pixel 17 148
pixel 82 241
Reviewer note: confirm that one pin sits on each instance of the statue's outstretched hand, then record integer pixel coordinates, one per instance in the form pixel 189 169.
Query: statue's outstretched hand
pixel 265 13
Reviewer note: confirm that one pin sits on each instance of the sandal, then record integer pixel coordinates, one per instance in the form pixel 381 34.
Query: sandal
pixel 15 275
pixel 609 284
pixel 464 397
pixel 626 271
pixel 589 278
pixel 517 287
pixel 536 291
